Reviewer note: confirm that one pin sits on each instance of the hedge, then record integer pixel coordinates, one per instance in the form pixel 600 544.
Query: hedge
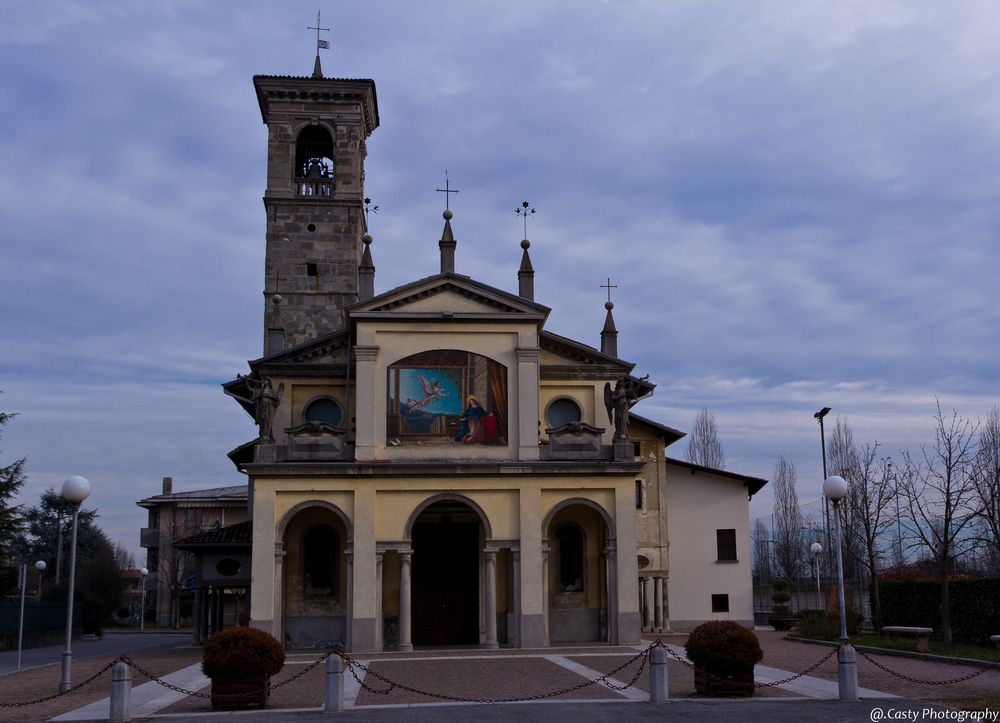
pixel 974 606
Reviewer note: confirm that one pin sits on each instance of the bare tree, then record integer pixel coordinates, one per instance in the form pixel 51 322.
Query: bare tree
pixel 986 476
pixel 704 447
pixel 787 519
pixel 871 491
pixel 940 497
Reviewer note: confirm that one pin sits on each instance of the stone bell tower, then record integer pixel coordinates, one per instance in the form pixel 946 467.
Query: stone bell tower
pixel 317 128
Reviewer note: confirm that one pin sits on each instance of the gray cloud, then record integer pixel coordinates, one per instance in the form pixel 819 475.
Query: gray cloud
pixel 795 199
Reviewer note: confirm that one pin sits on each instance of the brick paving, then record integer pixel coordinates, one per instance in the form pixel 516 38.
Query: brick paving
pixel 480 674
pixel 44 681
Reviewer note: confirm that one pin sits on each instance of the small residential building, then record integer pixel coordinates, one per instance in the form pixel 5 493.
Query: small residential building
pixel 174 516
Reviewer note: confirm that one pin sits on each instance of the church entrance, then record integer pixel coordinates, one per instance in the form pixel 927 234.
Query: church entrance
pixel 446 544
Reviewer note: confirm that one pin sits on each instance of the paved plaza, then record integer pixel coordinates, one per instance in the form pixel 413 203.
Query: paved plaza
pixel 503 674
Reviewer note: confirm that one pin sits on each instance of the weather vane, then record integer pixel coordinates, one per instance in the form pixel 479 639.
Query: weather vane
pixel 446 190
pixel 609 286
pixel 523 211
pixel 324 44
pixel 369 209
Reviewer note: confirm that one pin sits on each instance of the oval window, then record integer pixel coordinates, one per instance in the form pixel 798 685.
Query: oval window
pixel 563 411
pixel 324 410
pixel 228 568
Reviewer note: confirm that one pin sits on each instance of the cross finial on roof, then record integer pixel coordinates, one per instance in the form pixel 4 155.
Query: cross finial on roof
pixel 446 190
pixel 609 286
pixel 324 44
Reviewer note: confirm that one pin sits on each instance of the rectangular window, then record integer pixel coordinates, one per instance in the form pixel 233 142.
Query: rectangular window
pixel 726 540
pixel 311 270
pixel 638 494
pixel 720 603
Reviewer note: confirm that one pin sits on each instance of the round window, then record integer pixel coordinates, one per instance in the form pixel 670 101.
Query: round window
pixel 228 568
pixel 324 410
pixel 563 411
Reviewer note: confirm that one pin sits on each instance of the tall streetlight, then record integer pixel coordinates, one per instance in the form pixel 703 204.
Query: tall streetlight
pixel 835 489
pixel 75 490
pixel 142 606
pixel 817 550
pixel 826 505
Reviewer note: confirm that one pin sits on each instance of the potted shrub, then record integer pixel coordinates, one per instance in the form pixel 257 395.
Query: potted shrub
pixel 241 660
pixel 782 618
pixel 724 653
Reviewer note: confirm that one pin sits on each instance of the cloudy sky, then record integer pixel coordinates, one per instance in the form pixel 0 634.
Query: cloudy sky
pixel 797 201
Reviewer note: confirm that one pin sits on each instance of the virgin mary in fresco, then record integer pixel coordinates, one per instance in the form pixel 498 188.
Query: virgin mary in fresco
pixel 472 430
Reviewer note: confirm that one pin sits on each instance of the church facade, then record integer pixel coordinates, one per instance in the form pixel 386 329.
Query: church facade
pixel 433 466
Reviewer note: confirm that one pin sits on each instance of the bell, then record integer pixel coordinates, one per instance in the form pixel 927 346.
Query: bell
pixel 315 169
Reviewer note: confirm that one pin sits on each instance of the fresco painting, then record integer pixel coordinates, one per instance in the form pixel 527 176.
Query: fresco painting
pixel 447 397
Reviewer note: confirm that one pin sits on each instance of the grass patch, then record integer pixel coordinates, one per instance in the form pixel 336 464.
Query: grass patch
pixel 955 650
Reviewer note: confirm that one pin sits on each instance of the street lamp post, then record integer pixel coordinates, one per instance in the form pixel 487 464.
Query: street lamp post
pixel 75 490
pixel 835 489
pixel 817 550
pixel 142 606
pixel 40 566
pixel 826 503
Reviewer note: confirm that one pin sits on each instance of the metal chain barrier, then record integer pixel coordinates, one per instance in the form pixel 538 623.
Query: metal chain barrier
pixel 354 666
pixel 994 666
pixel 604 679
pixel 76 687
pixel 244 694
pixel 751 685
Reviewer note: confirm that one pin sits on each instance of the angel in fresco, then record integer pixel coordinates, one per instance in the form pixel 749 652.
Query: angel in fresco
pixel 431 392
pixel 472 423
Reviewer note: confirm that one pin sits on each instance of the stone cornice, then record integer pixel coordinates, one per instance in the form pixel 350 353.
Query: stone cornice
pixel 527 354
pixel 365 353
pixel 444 469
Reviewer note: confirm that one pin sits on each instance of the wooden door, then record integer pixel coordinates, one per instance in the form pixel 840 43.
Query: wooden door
pixel 446 584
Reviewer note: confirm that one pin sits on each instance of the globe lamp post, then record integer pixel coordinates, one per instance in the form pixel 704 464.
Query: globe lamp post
pixel 75 490
pixel 817 550
pixel 142 606
pixel 835 489
pixel 40 566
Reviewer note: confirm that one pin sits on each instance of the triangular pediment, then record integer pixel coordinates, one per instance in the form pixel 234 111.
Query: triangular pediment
pixel 448 295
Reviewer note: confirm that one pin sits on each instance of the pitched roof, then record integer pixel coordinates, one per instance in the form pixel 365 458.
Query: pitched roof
pixel 239 534
pixel 236 493
pixel 753 484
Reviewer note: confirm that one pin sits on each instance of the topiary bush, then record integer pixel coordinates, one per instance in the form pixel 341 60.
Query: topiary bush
pixel 242 653
pixel 723 646
pixel 780 597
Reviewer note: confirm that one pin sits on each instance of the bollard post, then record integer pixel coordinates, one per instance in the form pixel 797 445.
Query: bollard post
pixel 334 684
pixel 847 672
pixel 121 692
pixel 658 675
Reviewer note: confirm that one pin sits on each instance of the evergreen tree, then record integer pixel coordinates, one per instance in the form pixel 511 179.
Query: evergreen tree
pixel 49 528
pixel 11 523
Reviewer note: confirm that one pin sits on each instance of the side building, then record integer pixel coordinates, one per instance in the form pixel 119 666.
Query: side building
pixel 172 517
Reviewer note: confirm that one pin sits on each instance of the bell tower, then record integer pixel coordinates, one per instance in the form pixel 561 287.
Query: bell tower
pixel 316 128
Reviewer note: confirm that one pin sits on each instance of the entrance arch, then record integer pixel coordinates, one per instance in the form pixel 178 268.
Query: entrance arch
pixel 315 537
pixel 447 534
pixel 578 534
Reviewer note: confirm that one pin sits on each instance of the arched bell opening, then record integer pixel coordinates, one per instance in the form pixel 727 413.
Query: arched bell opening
pixel 315 580
pixel 314 166
pixel 577 575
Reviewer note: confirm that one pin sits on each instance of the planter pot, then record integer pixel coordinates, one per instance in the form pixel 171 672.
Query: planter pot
pixel 730 683
pixel 782 623
pixel 251 686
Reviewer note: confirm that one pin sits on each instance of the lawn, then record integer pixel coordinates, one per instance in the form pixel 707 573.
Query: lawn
pixel 955 650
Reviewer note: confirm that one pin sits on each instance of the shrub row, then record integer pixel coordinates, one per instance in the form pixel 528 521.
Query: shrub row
pixel 974 606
